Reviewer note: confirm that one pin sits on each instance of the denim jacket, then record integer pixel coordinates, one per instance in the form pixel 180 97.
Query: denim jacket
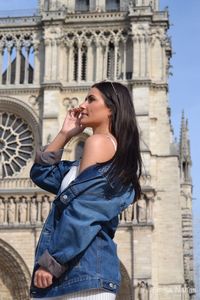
pixel 76 243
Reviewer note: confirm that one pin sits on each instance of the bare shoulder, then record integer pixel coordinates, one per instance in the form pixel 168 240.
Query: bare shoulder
pixel 98 148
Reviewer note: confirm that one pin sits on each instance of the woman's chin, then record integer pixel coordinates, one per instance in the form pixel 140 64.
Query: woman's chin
pixel 84 121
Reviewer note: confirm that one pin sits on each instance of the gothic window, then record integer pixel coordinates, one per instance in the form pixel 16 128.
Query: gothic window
pixel 82 5
pixel 75 62
pixel 80 69
pixel 18 61
pixel 112 5
pixel 79 150
pixel 84 62
pixel 16 144
pixel 110 61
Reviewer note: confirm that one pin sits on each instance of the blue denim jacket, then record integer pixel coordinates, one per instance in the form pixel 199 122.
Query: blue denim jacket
pixel 76 243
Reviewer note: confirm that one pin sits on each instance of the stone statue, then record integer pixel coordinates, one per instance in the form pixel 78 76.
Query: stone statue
pixel 33 210
pixel 2 211
pixel 45 208
pixel 142 210
pixel 142 293
pixel 22 210
pixel 11 211
pixel 129 213
pixel 131 7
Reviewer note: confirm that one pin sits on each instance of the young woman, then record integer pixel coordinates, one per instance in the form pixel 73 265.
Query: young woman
pixel 76 257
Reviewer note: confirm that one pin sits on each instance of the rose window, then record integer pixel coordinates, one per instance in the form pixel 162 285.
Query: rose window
pixel 16 144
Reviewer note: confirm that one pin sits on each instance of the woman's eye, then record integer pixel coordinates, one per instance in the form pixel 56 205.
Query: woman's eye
pixel 90 99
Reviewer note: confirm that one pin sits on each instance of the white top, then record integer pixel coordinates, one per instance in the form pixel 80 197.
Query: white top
pixel 71 175
pixel 73 172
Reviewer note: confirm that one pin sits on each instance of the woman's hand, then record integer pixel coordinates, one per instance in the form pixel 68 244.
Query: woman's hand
pixel 71 125
pixel 42 278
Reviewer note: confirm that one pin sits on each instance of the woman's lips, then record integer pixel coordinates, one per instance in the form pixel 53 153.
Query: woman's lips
pixel 83 114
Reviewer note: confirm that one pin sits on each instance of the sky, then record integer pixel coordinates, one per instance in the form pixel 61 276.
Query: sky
pixel 184 84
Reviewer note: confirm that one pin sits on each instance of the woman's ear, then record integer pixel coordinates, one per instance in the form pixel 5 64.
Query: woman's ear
pixel 110 113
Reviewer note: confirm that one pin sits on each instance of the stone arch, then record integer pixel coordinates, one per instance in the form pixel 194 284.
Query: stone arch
pixel 14 274
pixel 125 291
pixel 20 108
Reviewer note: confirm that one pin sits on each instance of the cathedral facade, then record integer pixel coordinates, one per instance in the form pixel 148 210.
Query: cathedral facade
pixel 48 61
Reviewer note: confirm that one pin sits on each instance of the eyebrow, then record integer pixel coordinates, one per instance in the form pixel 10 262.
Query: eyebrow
pixel 90 96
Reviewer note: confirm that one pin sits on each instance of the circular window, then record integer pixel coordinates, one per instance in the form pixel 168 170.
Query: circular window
pixel 16 144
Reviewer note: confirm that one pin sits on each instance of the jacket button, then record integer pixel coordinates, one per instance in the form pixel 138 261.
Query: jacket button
pixel 64 199
pixel 111 285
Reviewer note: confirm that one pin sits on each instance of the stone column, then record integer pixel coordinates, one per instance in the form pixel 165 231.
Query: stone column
pixel 116 49
pixel 53 62
pixel 26 68
pixel 147 51
pixel 101 5
pixel 105 60
pixel 124 60
pixel 36 74
pixel 140 56
pixel 135 68
pixel 18 63
pixel 97 50
pixel 61 60
pixel 9 50
pixel 88 59
pixel 70 62
pixel 79 65
pixel 47 43
pixel 1 61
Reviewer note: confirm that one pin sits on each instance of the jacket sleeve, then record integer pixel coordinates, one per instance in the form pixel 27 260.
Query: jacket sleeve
pixel 80 222
pixel 48 171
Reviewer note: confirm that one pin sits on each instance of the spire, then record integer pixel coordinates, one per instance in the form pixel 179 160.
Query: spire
pixel 185 161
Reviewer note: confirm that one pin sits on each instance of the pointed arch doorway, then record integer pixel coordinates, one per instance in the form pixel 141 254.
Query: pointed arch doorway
pixel 14 274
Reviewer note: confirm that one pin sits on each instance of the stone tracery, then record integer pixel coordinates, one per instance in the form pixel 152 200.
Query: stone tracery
pixel 16 141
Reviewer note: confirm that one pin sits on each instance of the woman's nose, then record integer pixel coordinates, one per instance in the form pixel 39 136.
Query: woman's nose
pixel 83 105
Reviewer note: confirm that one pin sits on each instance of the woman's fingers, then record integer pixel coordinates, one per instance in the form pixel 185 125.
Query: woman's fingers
pixel 42 278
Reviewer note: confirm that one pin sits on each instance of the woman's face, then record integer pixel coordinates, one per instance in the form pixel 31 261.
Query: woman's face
pixel 94 111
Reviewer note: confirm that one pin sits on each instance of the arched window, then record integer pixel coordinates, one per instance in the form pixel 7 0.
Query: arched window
pixel 112 5
pixel 82 5
pixel 79 150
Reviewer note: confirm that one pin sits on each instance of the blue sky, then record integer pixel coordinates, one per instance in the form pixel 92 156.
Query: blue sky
pixel 184 90
pixel 183 85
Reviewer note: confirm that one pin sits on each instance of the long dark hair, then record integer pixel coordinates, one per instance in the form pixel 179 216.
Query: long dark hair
pixel 127 163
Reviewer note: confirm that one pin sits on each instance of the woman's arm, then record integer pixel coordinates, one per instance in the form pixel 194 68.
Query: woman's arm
pixel 48 171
